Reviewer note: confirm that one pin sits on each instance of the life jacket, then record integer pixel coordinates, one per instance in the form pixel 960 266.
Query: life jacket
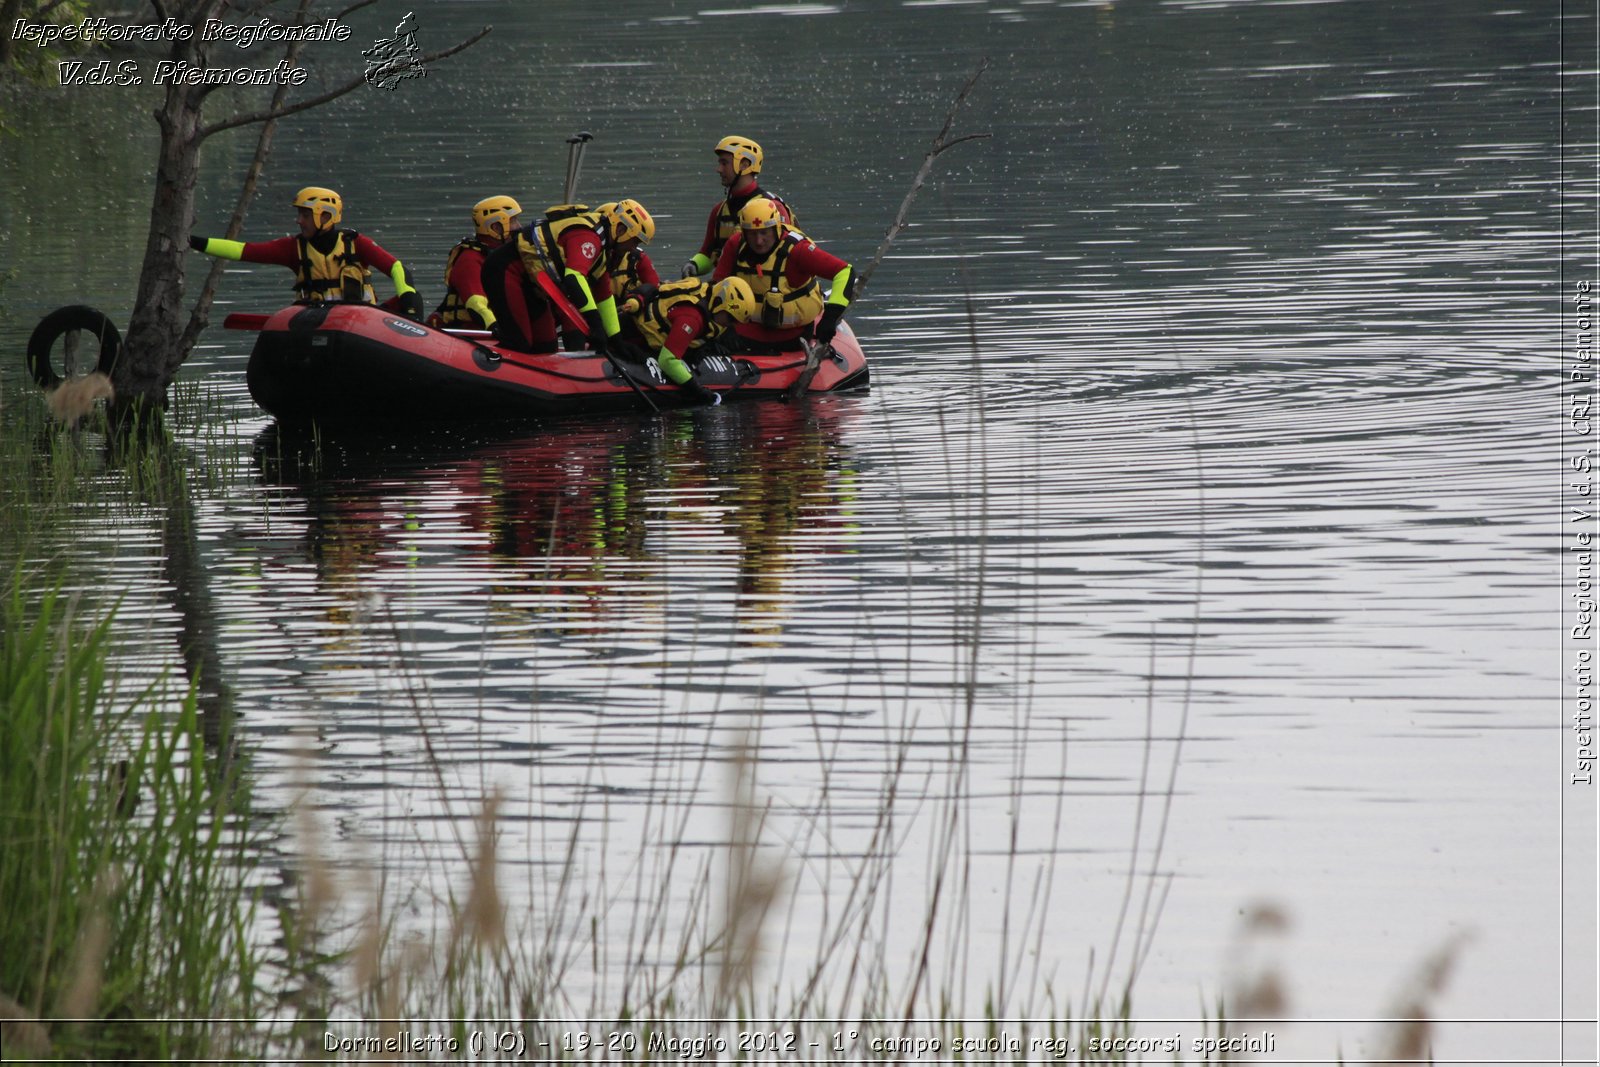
pixel 452 310
pixel 652 318
pixel 625 273
pixel 338 275
pixel 539 243
pixel 782 306
pixel 728 214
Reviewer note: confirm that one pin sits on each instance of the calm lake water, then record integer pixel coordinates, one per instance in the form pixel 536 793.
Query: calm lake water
pixel 1212 450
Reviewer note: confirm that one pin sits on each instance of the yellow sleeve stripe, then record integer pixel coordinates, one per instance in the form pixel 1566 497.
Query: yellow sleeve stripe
pixel 397 274
pixel 583 286
pixel 223 248
pixel 838 287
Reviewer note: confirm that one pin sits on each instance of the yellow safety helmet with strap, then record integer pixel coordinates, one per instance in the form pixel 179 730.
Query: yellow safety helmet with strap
pixel 628 220
pixel 322 202
pixel 734 296
pixel 745 152
pixel 493 209
pixel 761 214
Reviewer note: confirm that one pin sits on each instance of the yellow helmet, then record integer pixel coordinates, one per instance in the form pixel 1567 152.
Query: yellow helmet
pixel 734 296
pixel 761 214
pixel 745 152
pixel 487 212
pixel 322 202
pixel 629 219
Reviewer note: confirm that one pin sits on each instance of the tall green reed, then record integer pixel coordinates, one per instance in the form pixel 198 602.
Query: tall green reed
pixel 125 844
pixel 126 920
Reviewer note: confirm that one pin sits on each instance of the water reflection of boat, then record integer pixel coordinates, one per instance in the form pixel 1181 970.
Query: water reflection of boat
pixel 349 363
pixel 583 509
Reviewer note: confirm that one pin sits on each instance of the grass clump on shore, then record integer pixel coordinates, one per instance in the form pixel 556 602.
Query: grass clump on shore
pixel 123 853
pixel 126 917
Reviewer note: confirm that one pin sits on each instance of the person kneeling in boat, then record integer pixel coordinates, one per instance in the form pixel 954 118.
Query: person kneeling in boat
pixel 578 246
pixel 784 269
pixel 633 278
pixel 682 317
pixel 465 306
pixel 329 264
pixel 739 169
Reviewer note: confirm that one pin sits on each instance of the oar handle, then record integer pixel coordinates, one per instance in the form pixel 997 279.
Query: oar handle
pixel 575 148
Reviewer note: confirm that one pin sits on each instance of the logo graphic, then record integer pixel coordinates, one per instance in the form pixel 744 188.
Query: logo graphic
pixel 391 61
pixel 588 249
pixel 402 326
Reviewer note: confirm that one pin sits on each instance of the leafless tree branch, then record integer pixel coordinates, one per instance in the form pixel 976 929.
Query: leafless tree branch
pixel 815 353
pixel 199 315
pixel 940 144
pixel 275 112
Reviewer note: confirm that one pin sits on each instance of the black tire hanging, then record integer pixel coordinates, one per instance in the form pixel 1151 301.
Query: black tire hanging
pixel 64 320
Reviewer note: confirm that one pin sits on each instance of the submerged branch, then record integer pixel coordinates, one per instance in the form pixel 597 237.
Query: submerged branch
pixel 816 353
pixel 940 144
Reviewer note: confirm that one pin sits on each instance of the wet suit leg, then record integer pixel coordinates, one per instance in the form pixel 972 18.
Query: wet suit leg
pixel 522 315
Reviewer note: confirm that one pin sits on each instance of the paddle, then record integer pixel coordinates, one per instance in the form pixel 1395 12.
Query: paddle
pixel 546 279
pixel 627 376
pixel 815 353
pixel 575 149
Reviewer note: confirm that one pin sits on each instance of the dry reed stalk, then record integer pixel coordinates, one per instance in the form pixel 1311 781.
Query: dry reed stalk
pixel 20 1032
pixel 73 400
pixel 1256 987
pixel 482 920
pixel 1408 1036
pixel 87 970
pixel 382 987
pixel 753 887
pixel 320 891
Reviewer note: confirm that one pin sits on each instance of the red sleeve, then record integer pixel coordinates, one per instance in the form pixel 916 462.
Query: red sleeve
pixel 730 252
pixel 466 277
pixel 580 248
pixel 709 241
pixel 809 261
pixel 373 255
pixel 647 271
pixel 684 324
pixel 284 252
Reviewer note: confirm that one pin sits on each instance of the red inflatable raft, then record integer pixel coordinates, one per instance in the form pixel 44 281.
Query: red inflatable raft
pixel 336 363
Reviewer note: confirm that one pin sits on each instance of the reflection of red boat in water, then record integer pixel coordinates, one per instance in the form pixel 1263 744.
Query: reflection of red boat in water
pixel 586 510
pixel 338 363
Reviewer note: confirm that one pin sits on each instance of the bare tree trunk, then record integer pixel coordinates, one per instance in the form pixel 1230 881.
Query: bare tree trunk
pixel 149 357
pixel 162 331
pixel 150 353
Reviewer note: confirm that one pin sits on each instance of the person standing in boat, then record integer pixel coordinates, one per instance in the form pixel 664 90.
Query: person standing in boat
pixel 579 247
pixel 785 270
pixel 329 264
pixel 684 315
pixel 739 170
pixel 494 219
